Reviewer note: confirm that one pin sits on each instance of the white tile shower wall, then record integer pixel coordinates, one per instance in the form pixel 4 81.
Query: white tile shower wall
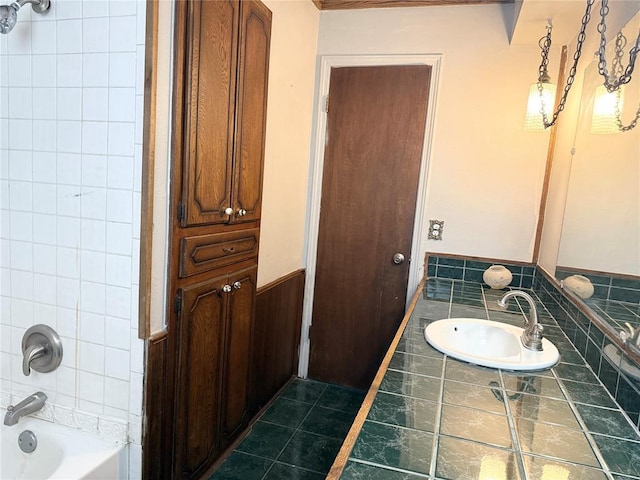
pixel 71 96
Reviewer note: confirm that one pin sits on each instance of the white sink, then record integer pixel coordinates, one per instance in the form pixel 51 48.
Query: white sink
pixel 489 344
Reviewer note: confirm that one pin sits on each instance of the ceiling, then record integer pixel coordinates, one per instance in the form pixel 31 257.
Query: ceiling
pixel 529 17
pixel 566 16
pixel 352 4
pixel 532 19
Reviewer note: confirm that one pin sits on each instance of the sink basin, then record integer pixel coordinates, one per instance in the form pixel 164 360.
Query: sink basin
pixel 489 344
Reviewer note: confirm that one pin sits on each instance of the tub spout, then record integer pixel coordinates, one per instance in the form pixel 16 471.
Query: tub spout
pixel 31 404
pixel 30 354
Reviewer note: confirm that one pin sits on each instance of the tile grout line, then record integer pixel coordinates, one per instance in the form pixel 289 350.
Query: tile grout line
pixel 391 468
pixel 298 429
pixel 512 428
pixel 587 365
pixel 294 432
pixel 436 433
pixel 585 430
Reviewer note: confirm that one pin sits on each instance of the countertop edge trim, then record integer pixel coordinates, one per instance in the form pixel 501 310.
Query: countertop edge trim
pixel 345 451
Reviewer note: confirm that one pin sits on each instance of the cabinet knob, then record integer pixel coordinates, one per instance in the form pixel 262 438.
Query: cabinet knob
pixel 226 288
pixel 242 212
pixel 237 285
pixel 228 211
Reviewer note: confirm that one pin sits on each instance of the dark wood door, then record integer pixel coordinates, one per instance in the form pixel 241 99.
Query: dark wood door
pixel 376 124
pixel 241 305
pixel 251 110
pixel 201 323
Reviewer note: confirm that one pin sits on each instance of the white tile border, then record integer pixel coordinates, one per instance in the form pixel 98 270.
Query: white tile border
pixel 105 427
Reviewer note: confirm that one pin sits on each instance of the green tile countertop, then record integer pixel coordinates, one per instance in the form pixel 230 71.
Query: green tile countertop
pixel 435 417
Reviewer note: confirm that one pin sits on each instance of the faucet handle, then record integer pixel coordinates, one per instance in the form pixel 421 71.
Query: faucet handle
pixel 626 334
pixel 41 349
pixel 537 331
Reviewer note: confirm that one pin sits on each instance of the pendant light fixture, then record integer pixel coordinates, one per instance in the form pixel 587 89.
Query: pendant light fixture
pixel 605 106
pixel 546 116
pixel 542 94
pixel 608 100
pixel 609 97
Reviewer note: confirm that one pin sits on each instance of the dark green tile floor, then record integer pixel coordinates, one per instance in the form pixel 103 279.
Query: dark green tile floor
pixel 298 436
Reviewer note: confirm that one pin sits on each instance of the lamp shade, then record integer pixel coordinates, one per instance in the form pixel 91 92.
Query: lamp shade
pixel 603 120
pixel 533 120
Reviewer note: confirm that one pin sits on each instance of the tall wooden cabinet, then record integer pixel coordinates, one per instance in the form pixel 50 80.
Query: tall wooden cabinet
pixel 220 90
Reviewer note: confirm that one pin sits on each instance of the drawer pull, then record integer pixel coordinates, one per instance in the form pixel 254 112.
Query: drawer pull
pixel 228 249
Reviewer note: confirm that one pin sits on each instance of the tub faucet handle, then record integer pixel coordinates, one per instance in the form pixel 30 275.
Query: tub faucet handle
pixel 41 350
pixel 32 353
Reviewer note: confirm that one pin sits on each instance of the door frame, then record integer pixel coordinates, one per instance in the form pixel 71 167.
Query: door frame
pixel 416 268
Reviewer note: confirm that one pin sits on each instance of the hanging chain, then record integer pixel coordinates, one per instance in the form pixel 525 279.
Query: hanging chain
pixel 545 45
pixel 616 64
pixel 617 70
pixel 612 82
pixel 621 126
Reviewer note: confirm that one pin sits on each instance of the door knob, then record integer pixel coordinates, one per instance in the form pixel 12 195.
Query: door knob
pixel 237 285
pixel 242 212
pixel 398 258
pixel 228 211
pixel 226 288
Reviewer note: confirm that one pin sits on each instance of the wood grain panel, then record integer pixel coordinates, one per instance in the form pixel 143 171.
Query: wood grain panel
pixel 276 336
pixel 355 4
pixel 155 463
pixel 148 165
pixel 376 127
pixel 201 346
pixel 251 113
pixel 206 252
pixel 209 117
pixel 238 353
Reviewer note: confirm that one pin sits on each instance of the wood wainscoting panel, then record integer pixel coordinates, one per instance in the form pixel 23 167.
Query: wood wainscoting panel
pixel 156 463
pixel 276 336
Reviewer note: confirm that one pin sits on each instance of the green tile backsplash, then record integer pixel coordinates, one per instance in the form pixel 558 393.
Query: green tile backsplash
pixel 590 342
pixel 609 287
pixel 472 270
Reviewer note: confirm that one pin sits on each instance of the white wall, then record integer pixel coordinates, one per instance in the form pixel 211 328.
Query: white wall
pixel 486 172
pixel 71 88
pixel 292 66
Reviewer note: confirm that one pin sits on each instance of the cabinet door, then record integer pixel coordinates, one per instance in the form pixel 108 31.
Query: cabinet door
pixel 238 359
pixel 251 109
pixel 210 87
pixel 201 325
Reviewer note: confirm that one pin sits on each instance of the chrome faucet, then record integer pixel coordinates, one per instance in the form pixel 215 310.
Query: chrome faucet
pixel 531 338
pixel 631 338
pixel 31 404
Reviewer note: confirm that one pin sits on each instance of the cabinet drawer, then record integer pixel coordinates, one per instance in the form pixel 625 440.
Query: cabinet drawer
pixel 206 252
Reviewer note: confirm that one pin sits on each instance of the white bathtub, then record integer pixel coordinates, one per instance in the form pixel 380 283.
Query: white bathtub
pixel 62 453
